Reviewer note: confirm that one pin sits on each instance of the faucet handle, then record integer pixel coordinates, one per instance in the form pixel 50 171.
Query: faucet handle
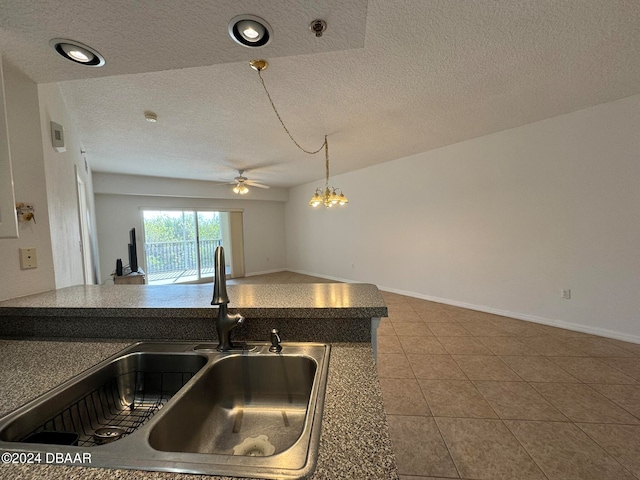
pixel 275 341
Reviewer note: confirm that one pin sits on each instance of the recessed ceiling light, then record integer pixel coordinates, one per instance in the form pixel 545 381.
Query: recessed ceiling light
pixel 77 52
pixel 250 31
pixel 150 117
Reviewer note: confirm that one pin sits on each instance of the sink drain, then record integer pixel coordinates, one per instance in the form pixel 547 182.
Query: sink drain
pixel 259 446
pixel 108 435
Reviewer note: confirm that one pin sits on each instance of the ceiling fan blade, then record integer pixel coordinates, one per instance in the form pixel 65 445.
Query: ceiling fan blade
pixel 223 184
pixel 251 183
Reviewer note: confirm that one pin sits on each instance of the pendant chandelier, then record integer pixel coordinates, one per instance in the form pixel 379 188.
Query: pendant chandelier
pixel 327 196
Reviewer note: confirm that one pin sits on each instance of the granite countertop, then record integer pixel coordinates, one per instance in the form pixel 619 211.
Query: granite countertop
pixel 322 312
pixel 312 300
pixel 354 444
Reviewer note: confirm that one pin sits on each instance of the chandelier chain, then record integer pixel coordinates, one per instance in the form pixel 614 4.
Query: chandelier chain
pixel 275 110
pixel 330 196
pixel 326 160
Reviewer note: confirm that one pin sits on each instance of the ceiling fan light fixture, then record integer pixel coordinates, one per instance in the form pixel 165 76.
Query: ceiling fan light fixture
pixel 250 31
pixel 77 52
pixel 240 189
pixel 150 117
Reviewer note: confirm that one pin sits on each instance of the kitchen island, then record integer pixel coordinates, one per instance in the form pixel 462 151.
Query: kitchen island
pixel 354 443
pixel 316 312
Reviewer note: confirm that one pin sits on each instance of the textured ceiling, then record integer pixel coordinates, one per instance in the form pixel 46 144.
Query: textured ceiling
pixel 388 78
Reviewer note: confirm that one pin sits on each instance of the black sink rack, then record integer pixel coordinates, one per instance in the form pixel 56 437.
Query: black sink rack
pixel 126 402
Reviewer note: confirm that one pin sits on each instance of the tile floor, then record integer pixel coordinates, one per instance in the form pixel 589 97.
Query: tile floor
pixel 278 277
pixel 477 396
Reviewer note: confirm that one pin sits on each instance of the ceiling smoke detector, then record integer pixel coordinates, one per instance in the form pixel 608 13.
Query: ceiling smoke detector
pixel 77 52
pixel 250 31
pixel 318 27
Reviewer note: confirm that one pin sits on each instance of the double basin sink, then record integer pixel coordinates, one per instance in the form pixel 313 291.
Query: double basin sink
pixel 185 407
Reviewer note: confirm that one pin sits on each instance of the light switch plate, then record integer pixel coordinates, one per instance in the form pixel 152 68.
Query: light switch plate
pixel 28 258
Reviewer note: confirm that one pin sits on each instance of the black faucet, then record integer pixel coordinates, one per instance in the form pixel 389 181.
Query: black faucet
pixel 225 322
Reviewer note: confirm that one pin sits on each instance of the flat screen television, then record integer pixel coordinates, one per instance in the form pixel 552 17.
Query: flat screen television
pixel 133 254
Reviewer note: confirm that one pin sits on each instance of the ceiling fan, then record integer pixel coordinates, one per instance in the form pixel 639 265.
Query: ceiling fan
pixel 241 183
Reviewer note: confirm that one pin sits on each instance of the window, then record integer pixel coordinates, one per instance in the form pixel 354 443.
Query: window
pixel 179 245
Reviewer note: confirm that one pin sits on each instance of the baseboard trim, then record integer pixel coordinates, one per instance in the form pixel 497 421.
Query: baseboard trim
pixel 328 277
pixel 265 272
pixel 576 327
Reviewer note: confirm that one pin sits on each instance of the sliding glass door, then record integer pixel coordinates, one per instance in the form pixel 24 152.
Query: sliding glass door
pixel 180 244
pixel 209 237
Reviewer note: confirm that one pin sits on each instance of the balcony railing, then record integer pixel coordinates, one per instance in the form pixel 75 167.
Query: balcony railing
pixel 170 262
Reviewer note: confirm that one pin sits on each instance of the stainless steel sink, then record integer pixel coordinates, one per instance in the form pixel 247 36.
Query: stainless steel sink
pixel 240 397
pixel 184 407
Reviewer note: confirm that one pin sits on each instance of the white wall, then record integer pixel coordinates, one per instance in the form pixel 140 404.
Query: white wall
pixel 264 232
pixel 47 180
pixel 499 223
pixel 62 191
pixel 25 143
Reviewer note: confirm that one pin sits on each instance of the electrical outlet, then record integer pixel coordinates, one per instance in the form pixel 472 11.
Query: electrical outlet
pixel 28 258
pixel 566 293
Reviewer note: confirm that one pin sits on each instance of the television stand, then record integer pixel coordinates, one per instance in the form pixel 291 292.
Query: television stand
pixel 133 278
